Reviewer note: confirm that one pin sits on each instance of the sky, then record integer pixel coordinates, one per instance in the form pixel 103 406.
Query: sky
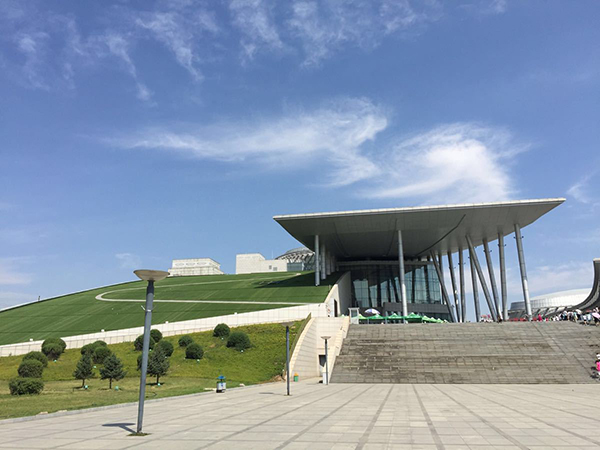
pixel 136 132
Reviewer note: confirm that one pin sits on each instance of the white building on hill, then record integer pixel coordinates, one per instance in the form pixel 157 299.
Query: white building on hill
pixel 256 263
pixel 195 266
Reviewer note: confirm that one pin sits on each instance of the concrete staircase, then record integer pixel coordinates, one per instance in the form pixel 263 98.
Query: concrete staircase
pixel 508 353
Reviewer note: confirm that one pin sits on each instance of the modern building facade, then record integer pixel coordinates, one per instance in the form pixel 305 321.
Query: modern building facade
pixel 256 263
pixel 195 266
pixel 396 255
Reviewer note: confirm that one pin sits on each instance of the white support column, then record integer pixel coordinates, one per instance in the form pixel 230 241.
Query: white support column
pixel 317 261
pixel 475 290
pixel 523 270
pixel 328 264
pixel 402 282
pixel 461 274
pixel 445 297
pixel 486 291
pixel 502 276
pixel 490 266
pixel 454 291
pixel 323 253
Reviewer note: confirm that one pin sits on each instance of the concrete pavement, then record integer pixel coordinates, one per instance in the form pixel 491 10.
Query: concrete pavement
pixel 339 416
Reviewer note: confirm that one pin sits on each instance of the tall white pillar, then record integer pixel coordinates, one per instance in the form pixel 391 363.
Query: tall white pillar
pixel 454 291
pixel 475 290
pixel 461 274
pixel 523 270
pixel 502 276
pixel 490 266
pixel 317 261
pixel 323 270
pixel 481 276
pixel 438 269
pixel 402 282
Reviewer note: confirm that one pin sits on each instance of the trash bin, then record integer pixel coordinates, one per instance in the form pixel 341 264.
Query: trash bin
pixel 295 377
pixel 221 384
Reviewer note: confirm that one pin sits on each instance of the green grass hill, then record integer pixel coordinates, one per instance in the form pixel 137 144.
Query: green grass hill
pixel 263 362
pixel 83 313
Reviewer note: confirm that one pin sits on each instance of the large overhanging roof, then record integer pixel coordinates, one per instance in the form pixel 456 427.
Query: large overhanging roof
pixel 439 229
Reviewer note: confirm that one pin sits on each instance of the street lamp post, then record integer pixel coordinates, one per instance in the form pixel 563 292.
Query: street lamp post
pixel 326 338
pixel 150 276
pixel 287 358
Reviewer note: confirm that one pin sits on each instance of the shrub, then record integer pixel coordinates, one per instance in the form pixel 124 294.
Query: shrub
pixel 166 347
pixel 156 335
pixel 185 340
pixel 100 354
pixel 112 370
pixel 25 386
pixel 52 350
pixel 194 351
pixel 221 330
pixel 84 369
pixel 59 341
pixel 239 340
pixel 97 343
pixel 31 368
pixel 139 343
pixel 88 348
pixel 37 356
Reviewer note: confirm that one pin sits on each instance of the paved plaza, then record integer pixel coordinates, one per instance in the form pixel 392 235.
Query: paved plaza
pixel 339 416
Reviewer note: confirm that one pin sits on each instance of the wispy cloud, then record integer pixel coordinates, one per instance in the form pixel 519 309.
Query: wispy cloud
pixel 456 162
pixel 582 192
pixel 128 261
pixel 254 19
pixel 10 273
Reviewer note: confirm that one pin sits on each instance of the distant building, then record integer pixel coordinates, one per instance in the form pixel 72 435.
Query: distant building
pixel 195 266
pixel 549 303
pixel 299 259
pixel 256 263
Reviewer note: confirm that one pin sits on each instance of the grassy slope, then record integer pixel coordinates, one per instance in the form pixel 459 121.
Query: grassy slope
pixel 259 364
pixel 81 313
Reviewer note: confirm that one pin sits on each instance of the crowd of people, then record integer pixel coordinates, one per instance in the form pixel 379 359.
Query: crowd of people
pixel 591 317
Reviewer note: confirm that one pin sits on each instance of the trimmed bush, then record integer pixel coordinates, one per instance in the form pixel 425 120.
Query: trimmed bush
pixel 156 335
pixel 239 340
pixel 194 351
pixel 88 348
pixel 31 368
pixel 185 340
pixel 25 386
pixel 97 343
pixel 37 356
pixel 100 354
pixel 59 341
pixel 221 330
pixel 166 347
pixel 139 343
pixel 52 350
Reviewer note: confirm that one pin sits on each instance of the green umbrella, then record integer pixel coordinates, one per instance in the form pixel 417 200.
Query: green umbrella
pixel 395 316
pixel 377 317
pixel 412 317
pixel 430 319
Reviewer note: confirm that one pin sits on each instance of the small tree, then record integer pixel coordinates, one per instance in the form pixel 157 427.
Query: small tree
pixel 185 340
pixel 156 335
pixel 158 364
pixel 166 347
pixel 138 344
pixel 84 369
pixel 222 330
pixel 112 370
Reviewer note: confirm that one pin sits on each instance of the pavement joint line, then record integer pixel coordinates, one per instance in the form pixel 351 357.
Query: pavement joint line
pixel 218 419
pixel 272 418
pixel 303 431
pixel 566 430
pixel 487 422
pixel 436 437
pixel 365 436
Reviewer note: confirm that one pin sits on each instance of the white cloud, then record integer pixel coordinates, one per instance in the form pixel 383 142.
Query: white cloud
pixel 562 277
pixel 10 273
pixel 583 192
pixel 254 19
pixel 456 162
pixel 128 260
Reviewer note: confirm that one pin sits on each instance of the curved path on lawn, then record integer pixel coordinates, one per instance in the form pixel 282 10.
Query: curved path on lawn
pixel 242 302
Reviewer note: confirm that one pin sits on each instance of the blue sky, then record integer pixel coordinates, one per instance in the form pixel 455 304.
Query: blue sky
pixel 135 132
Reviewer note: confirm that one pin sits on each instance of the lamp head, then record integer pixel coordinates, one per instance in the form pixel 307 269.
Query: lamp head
pixel 151 275
pixel 326 337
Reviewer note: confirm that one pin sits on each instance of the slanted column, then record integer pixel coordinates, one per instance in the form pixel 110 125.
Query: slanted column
pixel 317 261
pixel 475 291
pixel 486 291
pixel 445 297
pixel 454 291
pixel 323 253
pixel 461 274
pixel 401 267
pixel 502 276
pixel 523 270
pixel 490 266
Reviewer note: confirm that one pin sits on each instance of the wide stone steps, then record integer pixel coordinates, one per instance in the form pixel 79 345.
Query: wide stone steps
pixel 550 352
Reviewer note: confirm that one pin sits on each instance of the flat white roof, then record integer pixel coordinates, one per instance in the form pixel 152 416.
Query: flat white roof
pixel 373 232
